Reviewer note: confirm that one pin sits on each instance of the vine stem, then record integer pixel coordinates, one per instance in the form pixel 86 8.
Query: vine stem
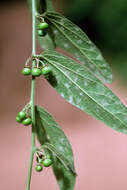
pixel 33 148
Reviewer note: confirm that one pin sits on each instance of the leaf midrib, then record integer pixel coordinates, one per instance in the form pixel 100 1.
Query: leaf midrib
pixel 89 80
pixel 65 162
pixel 67 167
pixel 75 45
pixel 85 92
pixel 72 32
pixel 73 71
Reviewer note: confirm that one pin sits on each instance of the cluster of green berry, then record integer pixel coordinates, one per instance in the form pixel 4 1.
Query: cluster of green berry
pixel 42 29
pixel 43 160
pixel 23 118
pixel 36 71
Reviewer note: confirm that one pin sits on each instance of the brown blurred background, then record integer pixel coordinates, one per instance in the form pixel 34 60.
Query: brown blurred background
pixel 100 153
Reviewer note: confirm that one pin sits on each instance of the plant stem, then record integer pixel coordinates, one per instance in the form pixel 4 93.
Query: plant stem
pixel 32 94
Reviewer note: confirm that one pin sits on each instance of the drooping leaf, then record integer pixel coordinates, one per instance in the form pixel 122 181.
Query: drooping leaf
pixel 71 38
pixel 57 143
pixel 66 180
pixel 80 88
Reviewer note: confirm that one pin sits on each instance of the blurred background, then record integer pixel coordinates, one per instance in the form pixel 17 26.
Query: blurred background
pixel 100 153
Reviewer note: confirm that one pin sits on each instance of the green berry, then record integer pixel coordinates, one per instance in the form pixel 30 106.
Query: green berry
pixel 46 70
pixel 27 121
pixel 22 115
pixel 47 162
pixel 40 160
pixel 36 72
pixel 26 71
pixel 18 119
pixel 40 33
pixel 38 168
pixel 43 25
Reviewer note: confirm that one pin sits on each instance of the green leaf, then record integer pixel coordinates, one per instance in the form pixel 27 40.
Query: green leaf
pixel 40 130
pixel 80 88
pixel 65 179
pixel 62 158
pixel 46 43
pixel 57 143
pixel 71 38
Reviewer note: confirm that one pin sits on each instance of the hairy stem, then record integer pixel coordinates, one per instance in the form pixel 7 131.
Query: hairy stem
pixel 32 94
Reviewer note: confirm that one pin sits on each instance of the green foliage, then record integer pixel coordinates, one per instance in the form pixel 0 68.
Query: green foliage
pixel 46 43
pixel 53 138
pixel 72 39
pixel 80 88
pixel 76 80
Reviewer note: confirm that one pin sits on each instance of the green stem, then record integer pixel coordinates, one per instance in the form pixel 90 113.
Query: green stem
pixel 32 94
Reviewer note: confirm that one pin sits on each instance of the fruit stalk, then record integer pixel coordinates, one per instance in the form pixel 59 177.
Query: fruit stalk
pixel 32 93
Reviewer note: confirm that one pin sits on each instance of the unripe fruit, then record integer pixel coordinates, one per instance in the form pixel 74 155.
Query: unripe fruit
pixel 40 160
pixel 47 162
pixel 38 168
pixel 43 25
pixel 36 72
pixel 18 119
pixel 26 71
pixel 22 115
pixel 27 121
pixel 40 33
pixel 46 70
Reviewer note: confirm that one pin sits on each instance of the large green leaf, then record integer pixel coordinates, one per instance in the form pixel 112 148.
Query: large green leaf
pixel 80 88
pixel 56 141
pixel 71 38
